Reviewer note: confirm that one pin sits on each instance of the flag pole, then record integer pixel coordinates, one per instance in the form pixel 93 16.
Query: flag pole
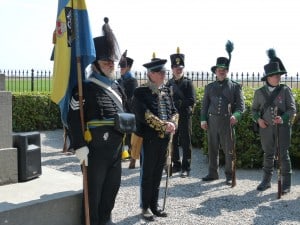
pixel 84 169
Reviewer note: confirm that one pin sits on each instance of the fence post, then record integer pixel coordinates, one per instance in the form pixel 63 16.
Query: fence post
pixel 32 79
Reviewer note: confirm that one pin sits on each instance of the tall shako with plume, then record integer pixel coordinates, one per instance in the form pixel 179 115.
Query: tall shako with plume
pixel 107 47
pixel 275 65
pixel 223 62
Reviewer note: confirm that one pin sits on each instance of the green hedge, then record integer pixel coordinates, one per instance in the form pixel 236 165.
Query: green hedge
pixel 35 111
pixel 248 147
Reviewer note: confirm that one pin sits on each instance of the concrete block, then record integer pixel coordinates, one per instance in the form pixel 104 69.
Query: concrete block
pixel 54 198
pixel 5 119
pixel 8 166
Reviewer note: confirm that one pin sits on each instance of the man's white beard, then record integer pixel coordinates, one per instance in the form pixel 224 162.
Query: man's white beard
pixel 110 75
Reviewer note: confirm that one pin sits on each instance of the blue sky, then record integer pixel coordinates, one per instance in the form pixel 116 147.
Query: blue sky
pixel 200 28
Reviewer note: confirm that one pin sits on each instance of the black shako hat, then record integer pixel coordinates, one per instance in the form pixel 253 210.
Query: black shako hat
pixel 106 46
pixel 125 61
pixel 156 64
pixel 223 62
pixel 274 67
pixel 177 60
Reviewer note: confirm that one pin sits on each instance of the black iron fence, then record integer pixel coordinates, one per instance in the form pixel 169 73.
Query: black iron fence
pixel 39 80
pixel 27 80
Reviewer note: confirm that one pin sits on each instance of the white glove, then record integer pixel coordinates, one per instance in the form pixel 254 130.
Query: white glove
pixel 82 154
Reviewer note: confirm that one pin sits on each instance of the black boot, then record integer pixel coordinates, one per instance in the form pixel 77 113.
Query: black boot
pixel 131 164
pixel 286 184
pixel 266 183
pixel 158 212
pixel 147 215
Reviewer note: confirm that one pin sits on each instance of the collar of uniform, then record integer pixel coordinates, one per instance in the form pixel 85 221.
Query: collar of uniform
pixel 127 75
pixel 178 80
pixel 223 81
pixel 102 78
pixel 153 87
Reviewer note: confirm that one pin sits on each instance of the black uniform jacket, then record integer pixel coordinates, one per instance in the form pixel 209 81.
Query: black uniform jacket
pixel 129 84
pixel 97 106
pixel 184 95
pixel 147 99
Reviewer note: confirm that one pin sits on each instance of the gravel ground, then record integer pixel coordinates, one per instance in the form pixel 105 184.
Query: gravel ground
pixel 191 201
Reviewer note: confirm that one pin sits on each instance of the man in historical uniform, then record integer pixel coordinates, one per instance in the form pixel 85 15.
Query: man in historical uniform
pixel 100 147
pixel 184 97
pixel 129 83
pixel 156 118
pixel 222 107
pixel 274 108
pixel 127 80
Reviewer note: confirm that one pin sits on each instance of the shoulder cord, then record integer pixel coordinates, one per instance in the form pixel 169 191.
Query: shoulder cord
pixel 113 95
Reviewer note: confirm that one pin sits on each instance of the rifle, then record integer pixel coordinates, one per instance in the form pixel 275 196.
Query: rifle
pixel 277 157
pixel 168 165
pixel 233 182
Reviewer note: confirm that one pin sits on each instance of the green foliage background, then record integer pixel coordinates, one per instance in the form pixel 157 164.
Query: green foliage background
pixel 248 147
pixel 35 111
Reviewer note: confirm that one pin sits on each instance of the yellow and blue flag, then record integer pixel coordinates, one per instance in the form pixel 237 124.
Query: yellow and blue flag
pixel 73 41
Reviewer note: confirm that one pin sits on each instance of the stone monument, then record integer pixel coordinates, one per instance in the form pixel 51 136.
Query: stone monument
pixel 8 154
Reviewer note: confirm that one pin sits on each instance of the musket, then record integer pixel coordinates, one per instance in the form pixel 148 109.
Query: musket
pixel 233 182
pixel 277 157
pixel 168 166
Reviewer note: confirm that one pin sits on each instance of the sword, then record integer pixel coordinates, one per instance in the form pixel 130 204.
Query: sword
pixel 168 165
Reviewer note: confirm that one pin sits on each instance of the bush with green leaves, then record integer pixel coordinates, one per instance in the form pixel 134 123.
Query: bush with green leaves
pixel 34 111
pixel 248 146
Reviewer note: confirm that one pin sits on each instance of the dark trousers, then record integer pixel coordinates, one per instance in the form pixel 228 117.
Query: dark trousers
pixel 104 179
pixel 182 138
pixel 269 137
pixel 220 134
pixel 153 160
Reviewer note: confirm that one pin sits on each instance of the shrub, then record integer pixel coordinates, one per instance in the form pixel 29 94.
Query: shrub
pixel 248 147
pixel 34 111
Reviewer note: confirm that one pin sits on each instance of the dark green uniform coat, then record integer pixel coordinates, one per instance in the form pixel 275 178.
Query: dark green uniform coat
pixel 216 112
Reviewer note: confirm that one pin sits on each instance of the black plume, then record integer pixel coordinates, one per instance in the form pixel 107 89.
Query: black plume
pixel 229 48
pixel 111 41
pixel 271 53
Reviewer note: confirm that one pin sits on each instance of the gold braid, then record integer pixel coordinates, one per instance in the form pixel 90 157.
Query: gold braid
pixel 156 123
